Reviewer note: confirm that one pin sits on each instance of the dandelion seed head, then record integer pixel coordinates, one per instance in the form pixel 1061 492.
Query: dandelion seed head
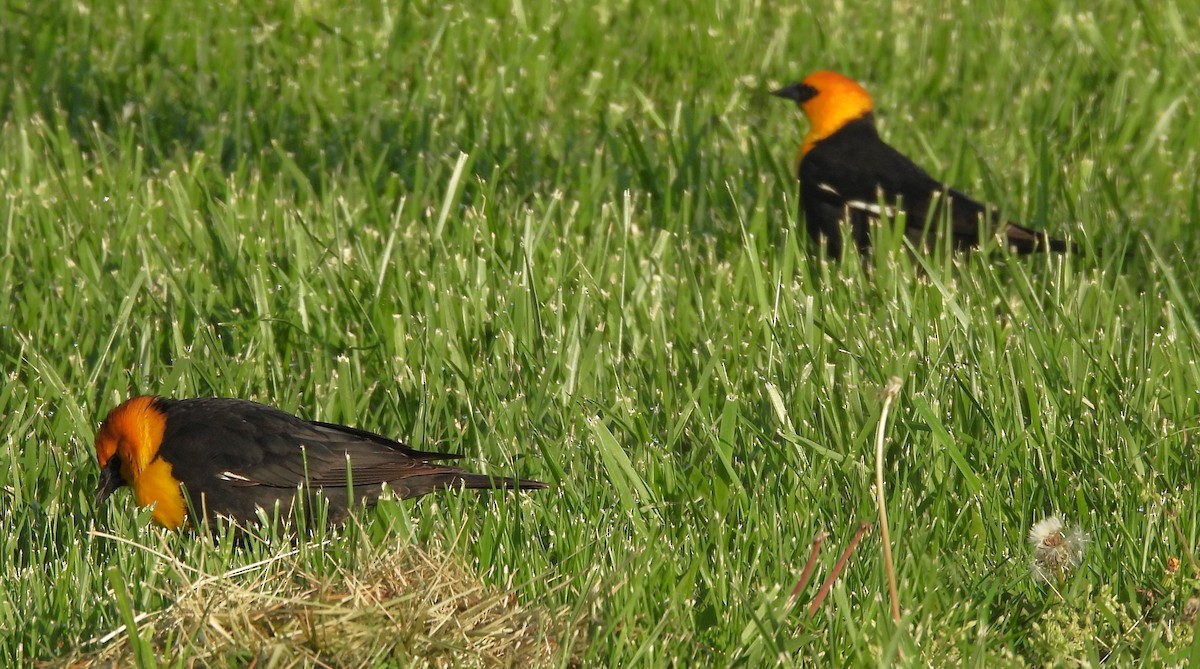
pixel 1191 609
pixel 1057 549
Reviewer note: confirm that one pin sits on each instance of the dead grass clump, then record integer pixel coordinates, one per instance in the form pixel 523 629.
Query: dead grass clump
pixel 404 607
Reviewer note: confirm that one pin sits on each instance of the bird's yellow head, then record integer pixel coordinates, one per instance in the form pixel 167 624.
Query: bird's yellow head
pixel 830 101
pixel 127 448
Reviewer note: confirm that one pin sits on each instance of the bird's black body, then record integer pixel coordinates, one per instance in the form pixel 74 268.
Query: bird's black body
pixel 849 175
pixel 234 457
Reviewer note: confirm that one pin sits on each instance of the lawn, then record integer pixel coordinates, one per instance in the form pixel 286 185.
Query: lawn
pixel 563 240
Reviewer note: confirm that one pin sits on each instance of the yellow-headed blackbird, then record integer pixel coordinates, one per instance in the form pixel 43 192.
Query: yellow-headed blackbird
pixel 229 457
pixel 847 173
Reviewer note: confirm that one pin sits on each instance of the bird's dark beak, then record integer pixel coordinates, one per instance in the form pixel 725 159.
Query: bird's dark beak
pixel 798 93
pixel 110 480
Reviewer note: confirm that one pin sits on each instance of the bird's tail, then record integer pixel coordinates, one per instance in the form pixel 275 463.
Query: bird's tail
pixel 1025 240
pixel 483 481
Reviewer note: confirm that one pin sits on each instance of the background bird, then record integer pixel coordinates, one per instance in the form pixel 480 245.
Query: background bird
pixel 230 457
pixel 847 173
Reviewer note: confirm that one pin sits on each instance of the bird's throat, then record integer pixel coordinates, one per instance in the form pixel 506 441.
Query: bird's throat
pixel 156 485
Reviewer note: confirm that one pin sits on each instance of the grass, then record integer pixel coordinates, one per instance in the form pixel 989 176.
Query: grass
pixel 562 240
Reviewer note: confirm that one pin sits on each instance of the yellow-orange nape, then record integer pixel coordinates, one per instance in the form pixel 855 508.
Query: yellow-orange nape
pixel 836 101
pixel 132 433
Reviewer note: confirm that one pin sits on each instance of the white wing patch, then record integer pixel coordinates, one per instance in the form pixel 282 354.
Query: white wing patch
pixel 230 476
pixel 859 205
pixel 889 212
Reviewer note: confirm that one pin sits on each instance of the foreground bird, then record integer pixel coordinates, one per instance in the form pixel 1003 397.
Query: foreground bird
pixel 234 457
pixel 847 173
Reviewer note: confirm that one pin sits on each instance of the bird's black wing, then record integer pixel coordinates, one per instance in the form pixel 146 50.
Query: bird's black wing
pixel 245 443
pixel 388 442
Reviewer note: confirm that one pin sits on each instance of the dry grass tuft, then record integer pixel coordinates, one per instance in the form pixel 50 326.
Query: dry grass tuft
pixel 404 607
